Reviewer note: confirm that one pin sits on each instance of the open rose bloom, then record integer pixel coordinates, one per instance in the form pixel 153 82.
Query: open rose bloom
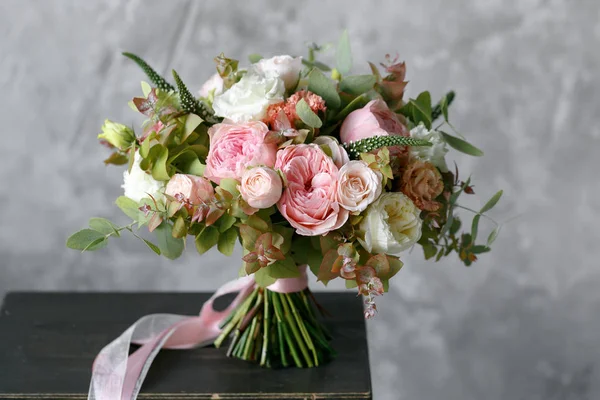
pixel 302 167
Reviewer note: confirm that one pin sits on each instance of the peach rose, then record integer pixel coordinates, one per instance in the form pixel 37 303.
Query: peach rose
pixel 374 119
pixel 261 187
pixel 235 147
pixel 358 186
pixel 309 202
pixel 422 183
pixel 194 189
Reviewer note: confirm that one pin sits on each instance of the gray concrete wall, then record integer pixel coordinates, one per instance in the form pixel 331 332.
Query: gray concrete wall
pixel 523 323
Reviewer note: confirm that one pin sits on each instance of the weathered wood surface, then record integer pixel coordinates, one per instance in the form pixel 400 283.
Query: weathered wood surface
pixel 48 342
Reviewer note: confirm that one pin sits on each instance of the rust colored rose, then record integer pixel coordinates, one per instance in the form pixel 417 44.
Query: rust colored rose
pixel 422 183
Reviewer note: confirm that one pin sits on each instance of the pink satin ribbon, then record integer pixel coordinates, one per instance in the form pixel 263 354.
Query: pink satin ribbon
pixel 118 375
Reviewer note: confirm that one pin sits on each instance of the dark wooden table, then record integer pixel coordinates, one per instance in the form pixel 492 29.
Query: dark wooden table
pixel 48 342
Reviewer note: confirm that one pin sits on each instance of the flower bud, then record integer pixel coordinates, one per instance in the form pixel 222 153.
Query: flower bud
pixel 118 135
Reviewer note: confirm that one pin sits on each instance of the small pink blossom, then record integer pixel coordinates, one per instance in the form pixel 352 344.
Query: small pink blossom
pixel 236 147
pixel 190 189
pixel 309 202
pixel 261 187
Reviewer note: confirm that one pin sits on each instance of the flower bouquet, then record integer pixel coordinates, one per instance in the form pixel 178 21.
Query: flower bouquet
pixel 304 165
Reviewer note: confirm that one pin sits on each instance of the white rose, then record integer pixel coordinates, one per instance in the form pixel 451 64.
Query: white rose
pixel 358 186
pixel 391 224
pixel 139 185
pixel 435 154
pixel 215 83
pixel 333 148
pixel 287 68
pixel 249 99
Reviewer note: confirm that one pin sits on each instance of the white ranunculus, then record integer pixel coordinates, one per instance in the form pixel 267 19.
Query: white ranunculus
pixel 138 184
pixel 248 99
pixel 358 186
pixel 435 154
pixel 287 68
pixel 391 224
pixel 215 83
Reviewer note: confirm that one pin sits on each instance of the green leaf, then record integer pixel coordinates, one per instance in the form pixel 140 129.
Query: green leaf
pixel 207 239
pixel 491 202
pixel 169 246
pixel 159 168
pixel 87 240
pixel 455 195
pixel 493 235
pixel 479 249
pixel 343 54
pixel 226 222
pixel 357 84
pixel 263 279
pixel 104 226
pixel 227 241
pixel 355 104
pixel 254 58
pixel 285 268
pixel 301 248
pixel 455 226
pixel 419 110
pixel 319 84
pixel 429 250
pixel 151 245
pixel 351 284
pixel 230 185
pixel 249 236
pixel 117 159
pixel 475 226
pixel 441 108
pixel 191 123
pixel 287 234
pixel 179 228
pixel 461 145
pixel 195 167
pixel 129 207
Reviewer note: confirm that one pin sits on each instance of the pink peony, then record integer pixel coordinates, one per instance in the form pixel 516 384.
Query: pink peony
pixel 235 147
pixel 309 202
pixel 374 119
pixel 261 187
pixel 194 189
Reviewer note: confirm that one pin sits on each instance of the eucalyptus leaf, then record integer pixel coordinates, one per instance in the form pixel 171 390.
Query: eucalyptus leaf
pixel 461 145
pixel 104 226
pixel 343 54
pixel 169 246
pixel 475 226
pixel 491 202
pixel 86 240
pixel 355 104
pixel 319 84
pixel 493 235
pixel 263 279
pixel 129 207
pixel 357 84
pixel 307 115
pixel 419 110
pixel 227 241
pixel 230 185
pixel 285 268
pixel 191 122
pixel 206 239
pixel 159 168
pixel 254 58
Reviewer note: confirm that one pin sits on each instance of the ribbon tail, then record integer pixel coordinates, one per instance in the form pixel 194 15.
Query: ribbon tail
pixel 117 375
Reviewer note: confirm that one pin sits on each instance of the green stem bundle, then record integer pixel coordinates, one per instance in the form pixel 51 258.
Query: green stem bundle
pixel 277 330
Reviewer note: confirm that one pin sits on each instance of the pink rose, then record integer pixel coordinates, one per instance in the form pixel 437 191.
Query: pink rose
pixel 194 189
pixel 261 187
pixel 374 119
pixel 358 186
pixel 309 202
pixel 235 147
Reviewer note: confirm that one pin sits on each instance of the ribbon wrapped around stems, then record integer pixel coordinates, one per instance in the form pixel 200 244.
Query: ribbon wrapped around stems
pixel 118 375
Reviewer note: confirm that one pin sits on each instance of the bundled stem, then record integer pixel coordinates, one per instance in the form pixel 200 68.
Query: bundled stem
pixel 277 330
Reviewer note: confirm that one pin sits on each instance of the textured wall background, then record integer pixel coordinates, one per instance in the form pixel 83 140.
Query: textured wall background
pixel 521 324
